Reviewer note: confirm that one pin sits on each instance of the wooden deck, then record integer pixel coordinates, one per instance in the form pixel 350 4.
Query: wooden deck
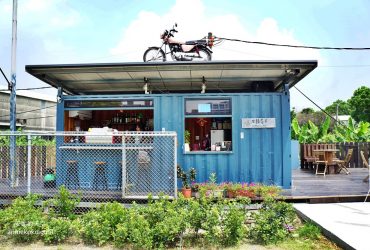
pixel 333 187
pixel 306 187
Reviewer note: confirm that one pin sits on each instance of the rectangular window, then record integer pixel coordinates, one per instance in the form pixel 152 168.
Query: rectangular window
pixel 207 107
pixel 109 104
pixel 208 125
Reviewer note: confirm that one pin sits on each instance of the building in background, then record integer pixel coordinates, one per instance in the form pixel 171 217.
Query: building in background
pixel 344 119
pixel 35 111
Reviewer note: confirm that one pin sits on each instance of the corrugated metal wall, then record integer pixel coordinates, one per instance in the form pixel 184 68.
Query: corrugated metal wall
pixel 263 155
pixel 256 158
pixel 41 117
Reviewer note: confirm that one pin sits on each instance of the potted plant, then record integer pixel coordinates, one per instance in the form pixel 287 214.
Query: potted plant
pixel 247 190
pixel 187 140
pixel 210 188
pixel 186 190
pixel 186 178
pixel 195 187
pixel 232 189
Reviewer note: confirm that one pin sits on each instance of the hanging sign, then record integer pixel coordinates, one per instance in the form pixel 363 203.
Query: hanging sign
pixel 258 123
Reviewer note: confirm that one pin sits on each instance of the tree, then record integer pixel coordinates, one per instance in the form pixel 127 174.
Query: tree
pixel 308 111
pixel 293 114
pixel 343 108
pixel 316 117
pixel 360 104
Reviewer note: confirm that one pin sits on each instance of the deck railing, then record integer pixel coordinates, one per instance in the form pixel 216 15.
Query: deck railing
pixel 105 166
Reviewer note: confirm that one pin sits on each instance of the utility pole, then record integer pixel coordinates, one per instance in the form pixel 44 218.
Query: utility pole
pixel 336 117
pixel 13 128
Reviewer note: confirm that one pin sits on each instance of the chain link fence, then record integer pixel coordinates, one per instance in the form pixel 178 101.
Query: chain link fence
pixel 99 167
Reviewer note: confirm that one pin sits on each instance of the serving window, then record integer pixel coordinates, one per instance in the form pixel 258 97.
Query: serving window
pixel 208 125
pixel 121 115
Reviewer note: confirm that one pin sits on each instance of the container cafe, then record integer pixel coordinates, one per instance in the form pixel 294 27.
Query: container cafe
pixel 230 117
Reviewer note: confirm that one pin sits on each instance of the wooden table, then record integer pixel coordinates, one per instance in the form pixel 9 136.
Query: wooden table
pixel 329 155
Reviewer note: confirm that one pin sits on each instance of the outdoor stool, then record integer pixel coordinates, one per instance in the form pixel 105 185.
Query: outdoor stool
pixel 100 175
pixel 72 179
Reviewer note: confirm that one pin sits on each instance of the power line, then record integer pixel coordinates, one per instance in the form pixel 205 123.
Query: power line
pixel 292 46
pixel 344 66
pixel 2 72
pixel 340 122
pixel 30 110
pixel 29 88
pixel 38 117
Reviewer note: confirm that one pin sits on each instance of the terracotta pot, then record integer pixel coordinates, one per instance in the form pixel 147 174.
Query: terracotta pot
pixel 186 192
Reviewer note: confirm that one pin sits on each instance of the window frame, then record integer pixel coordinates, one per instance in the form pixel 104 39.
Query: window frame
pixel 79 104
pixel 212 104
pixel 208 116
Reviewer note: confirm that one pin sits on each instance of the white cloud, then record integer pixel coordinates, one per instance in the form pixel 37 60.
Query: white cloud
pixel 194 23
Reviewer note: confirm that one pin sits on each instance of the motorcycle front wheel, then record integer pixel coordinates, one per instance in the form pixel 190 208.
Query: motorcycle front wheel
pixel 154 54
pixel 204 55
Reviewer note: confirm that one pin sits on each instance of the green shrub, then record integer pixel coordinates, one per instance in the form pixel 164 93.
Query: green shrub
pixel 156 210
pixel 197 211
pixel 166 220
pixel 211 225
pixel 135 230
pixel 98 226
pixel 22 221
pixel 56 230
pixel 309 231
pixel 63 204
pixel 173 225
pixel 234 229
pixel 271 221
pixel 93 229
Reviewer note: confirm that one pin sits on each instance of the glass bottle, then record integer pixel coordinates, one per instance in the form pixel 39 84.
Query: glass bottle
pixel 214 125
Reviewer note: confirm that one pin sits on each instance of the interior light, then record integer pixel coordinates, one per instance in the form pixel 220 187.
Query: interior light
pixel 203 88
pixel 145 88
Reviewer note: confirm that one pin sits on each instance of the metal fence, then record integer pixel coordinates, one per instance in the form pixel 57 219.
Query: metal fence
pixel 97 167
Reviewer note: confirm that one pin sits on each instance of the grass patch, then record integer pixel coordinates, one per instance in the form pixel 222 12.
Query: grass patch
pixel 321 243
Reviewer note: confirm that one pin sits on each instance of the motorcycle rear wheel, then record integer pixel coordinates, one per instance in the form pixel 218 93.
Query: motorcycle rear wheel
pixel 204 55
pixel 154 55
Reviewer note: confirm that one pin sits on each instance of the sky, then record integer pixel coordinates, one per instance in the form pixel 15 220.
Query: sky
pixel 96 31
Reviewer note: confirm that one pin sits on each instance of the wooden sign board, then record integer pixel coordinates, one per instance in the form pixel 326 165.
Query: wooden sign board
pixel 258 123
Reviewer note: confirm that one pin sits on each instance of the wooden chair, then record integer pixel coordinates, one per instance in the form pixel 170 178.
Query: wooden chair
pixel 343 164
pixel 320 160
pixel 365 164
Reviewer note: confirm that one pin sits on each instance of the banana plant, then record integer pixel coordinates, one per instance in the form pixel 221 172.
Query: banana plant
pixel 359 132
pixel 309 132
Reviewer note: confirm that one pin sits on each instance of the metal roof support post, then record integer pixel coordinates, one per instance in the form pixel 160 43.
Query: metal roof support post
pixel 13 128
pixel 286 139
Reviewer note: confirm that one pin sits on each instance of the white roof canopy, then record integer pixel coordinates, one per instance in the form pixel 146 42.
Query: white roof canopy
pixel 172 77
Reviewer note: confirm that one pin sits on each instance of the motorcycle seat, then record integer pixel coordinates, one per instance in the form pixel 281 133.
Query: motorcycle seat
pixel 195 42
